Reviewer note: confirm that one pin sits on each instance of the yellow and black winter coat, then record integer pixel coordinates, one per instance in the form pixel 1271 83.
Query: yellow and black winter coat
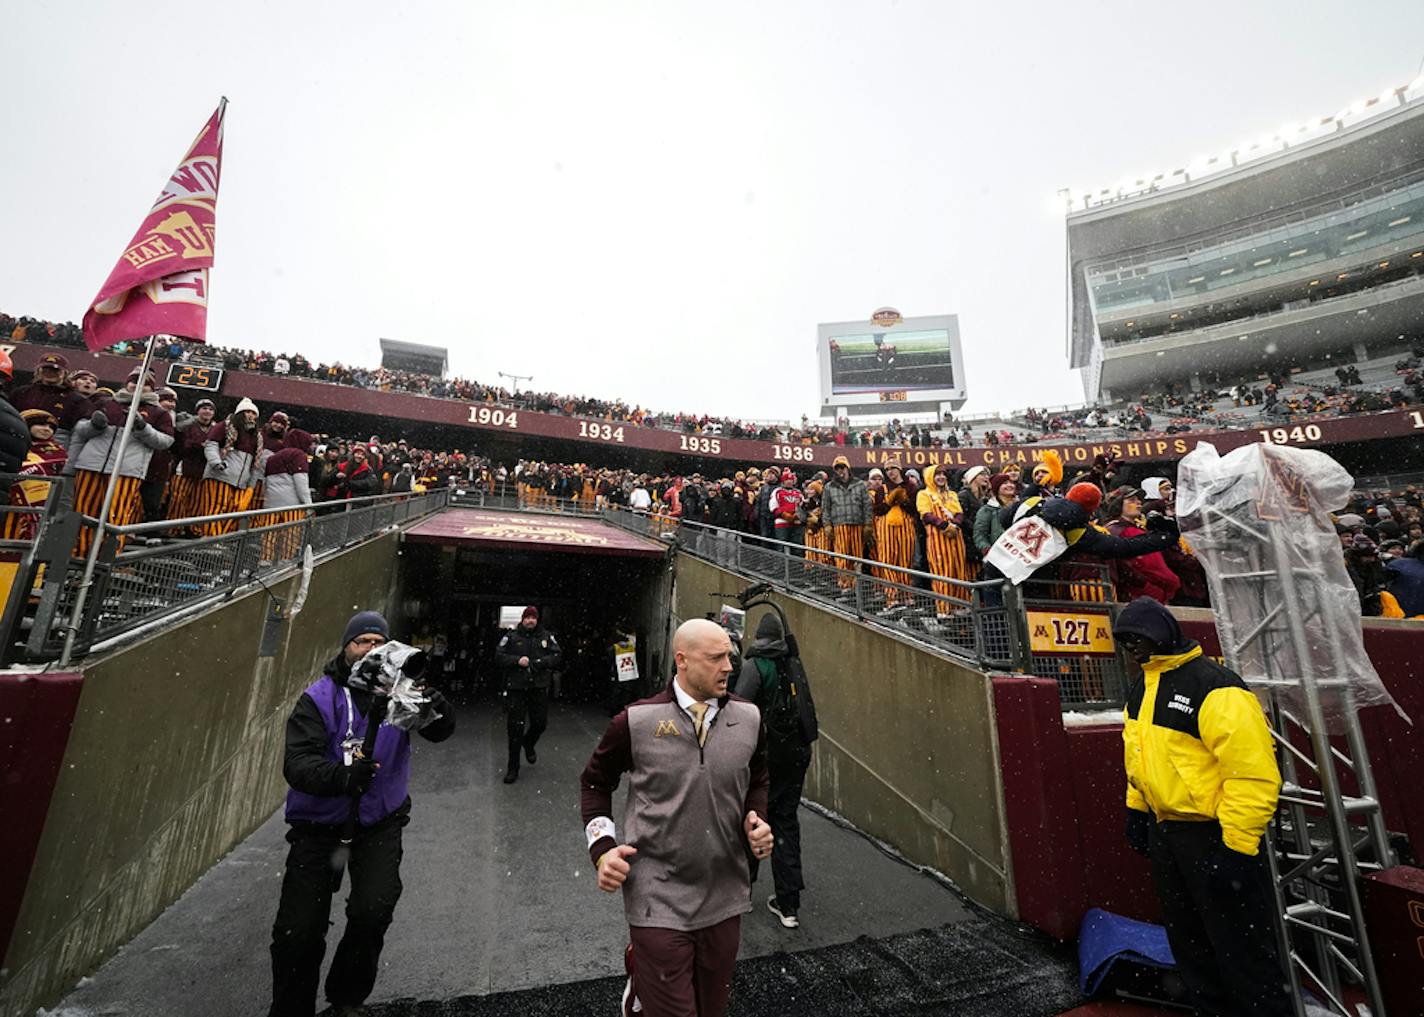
pixel 1196 747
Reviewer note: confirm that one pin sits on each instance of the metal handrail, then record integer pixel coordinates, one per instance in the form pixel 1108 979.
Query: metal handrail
pixel 983 621
pixel 974 622
pixel 137 583
pixel 132 529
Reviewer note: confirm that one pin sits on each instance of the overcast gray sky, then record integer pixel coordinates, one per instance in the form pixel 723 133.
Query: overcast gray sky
pixel 656 201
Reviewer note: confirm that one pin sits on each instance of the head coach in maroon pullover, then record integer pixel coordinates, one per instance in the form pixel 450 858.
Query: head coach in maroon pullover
pixel 697 793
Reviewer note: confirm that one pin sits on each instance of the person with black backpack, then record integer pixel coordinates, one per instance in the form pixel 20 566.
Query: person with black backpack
pixel 773 678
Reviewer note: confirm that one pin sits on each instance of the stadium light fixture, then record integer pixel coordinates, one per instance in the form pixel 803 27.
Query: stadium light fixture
pixel 1227 271
pixel 1401 220
pixel 1297 253
pixel 1356 235
pixel 1196 279
pixel 1263 261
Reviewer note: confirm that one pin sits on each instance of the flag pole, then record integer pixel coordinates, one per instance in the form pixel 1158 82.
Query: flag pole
pixel 82 594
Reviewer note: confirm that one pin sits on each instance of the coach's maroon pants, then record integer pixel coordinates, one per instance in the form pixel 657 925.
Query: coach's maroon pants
pixel 685 974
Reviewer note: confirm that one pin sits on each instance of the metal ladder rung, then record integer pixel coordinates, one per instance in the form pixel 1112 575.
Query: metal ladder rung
pixel 1313 799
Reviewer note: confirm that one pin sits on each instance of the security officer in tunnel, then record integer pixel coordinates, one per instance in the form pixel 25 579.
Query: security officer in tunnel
pixel 1202 788
pixel 527 658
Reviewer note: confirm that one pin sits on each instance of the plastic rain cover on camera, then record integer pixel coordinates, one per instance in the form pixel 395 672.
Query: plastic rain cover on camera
pixel 384 672
pixel 1235 511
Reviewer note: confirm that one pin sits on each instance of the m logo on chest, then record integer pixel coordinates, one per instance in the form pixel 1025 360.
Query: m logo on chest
pixel 666 727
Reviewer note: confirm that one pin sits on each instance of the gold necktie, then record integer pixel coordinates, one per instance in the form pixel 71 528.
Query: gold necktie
pixel 698 711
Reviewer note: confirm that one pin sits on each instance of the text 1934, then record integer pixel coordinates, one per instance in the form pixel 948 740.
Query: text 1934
pixel 601 432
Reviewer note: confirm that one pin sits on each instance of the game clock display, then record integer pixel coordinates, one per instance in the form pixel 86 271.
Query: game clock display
pixel 209 379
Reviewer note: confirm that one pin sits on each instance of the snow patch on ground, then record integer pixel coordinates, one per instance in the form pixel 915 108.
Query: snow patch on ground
pixel 1091 718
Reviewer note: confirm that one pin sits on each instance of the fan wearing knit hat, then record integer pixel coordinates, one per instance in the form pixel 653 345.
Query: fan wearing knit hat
pixel 94 448
pixel 1072 517
pixel 233 452
pixel 788 520
pixel 52 390
pixel 1047 475
pixel 46 458
pixel 191 432
pixel 846 511
pixel 274 433
pixel 943 518
pixel 894 507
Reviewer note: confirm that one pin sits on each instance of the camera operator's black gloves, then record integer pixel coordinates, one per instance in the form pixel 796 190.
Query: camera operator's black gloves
pixel 99 420
pixel 139 423
pixel 359 776
pixel 1139 832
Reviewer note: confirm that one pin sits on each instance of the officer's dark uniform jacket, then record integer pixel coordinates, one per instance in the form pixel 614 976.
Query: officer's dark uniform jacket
pixel 1196 747
pixel 539 646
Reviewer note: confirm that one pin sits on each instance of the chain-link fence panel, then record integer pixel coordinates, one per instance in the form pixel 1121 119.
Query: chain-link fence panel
pixel 945 613
pixel 156 576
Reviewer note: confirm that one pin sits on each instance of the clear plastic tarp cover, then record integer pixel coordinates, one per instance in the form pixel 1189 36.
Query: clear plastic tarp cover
pixel 394 670
pixel 1240 512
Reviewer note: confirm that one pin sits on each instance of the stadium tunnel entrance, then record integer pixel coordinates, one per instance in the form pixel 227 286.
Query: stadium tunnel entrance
pixel 466 575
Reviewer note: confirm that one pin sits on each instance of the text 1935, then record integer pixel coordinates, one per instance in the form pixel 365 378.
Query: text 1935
pixel 707 446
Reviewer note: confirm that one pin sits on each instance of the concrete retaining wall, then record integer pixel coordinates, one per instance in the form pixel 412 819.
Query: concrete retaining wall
pixel 908 746
pixel 174 757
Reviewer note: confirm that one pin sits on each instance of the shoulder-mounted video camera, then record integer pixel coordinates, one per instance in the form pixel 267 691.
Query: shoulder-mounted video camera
pixel 395 672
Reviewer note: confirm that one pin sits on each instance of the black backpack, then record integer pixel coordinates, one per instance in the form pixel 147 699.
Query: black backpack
pixel 791 715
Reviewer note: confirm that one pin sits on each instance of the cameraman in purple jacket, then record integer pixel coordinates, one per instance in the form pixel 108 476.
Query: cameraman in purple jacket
pixel 324 732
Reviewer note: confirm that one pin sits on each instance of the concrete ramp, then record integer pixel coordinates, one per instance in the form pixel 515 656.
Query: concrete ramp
pixel 500 914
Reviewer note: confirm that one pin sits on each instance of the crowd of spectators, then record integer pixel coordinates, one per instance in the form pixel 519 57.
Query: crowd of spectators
pixel 1172 410
pixel 192 464
pixel 1381 532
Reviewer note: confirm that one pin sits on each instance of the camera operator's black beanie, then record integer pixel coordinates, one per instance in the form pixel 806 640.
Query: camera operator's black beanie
pixel 361 624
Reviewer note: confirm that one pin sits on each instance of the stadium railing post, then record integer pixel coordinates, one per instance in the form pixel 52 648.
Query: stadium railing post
pixel 1016 626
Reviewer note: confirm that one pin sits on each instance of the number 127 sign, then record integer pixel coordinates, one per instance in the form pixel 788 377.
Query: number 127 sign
pixel 1064 633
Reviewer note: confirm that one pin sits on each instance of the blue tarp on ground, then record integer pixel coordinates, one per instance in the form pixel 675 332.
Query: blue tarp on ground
pixel 1106 938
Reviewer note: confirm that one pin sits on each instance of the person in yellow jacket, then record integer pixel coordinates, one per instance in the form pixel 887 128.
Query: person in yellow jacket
pixel 939 509
pixel 1202 785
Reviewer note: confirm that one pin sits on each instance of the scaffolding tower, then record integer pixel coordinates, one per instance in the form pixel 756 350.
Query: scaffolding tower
pixel 1279 590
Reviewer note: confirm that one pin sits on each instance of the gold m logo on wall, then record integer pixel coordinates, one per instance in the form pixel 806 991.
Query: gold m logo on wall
pixel 666 727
